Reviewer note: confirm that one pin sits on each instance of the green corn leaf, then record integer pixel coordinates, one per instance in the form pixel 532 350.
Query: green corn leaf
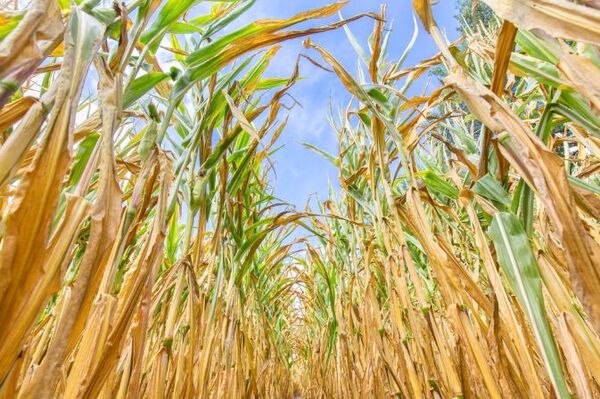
pixel 82 156
pixel 168 14
pixel 141 86
pixel 489 187
pixel 520 266
pixel 438 184
pixel 323 153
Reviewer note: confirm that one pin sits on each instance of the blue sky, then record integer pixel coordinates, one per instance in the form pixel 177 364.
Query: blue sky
pixel 299 172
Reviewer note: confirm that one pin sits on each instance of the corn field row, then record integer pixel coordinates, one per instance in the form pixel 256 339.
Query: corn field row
pixel 143 252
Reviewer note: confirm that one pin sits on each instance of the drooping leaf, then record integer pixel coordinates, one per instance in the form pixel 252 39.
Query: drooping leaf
pixel 518 263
